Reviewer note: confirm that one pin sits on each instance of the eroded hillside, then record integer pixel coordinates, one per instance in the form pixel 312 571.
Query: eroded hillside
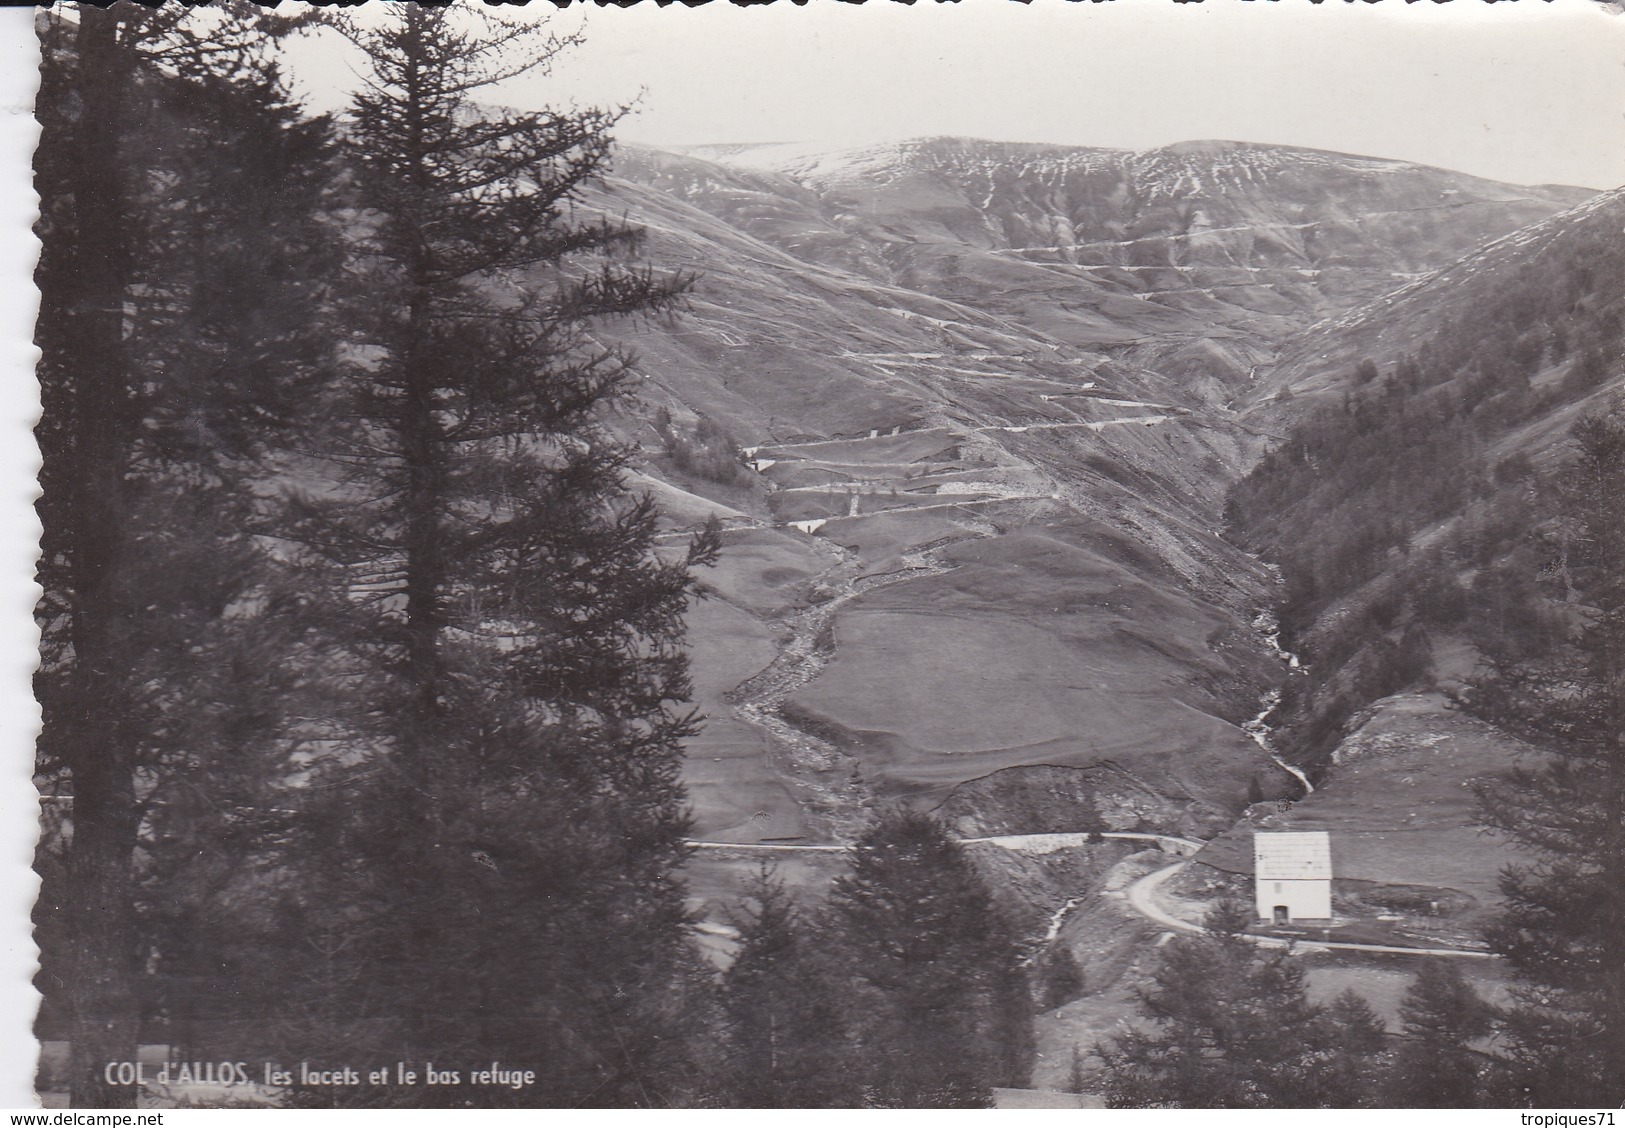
pixel 1411 502
pixel 959 407
pixel 1416 505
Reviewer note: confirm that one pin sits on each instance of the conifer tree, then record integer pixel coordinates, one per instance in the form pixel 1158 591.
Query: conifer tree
pixel 507 805
pixel 940 1001
pixel 1183 1062
pixel 1562 926
pixel 1353 1068
pixel 1436 1066
pixel 173 317
pixel 787 1044
pixel 1233 1028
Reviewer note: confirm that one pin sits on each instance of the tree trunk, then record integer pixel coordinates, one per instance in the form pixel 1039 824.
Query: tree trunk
pixel 104 1018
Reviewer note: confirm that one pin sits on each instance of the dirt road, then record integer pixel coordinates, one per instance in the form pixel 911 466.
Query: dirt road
pixel 1141 895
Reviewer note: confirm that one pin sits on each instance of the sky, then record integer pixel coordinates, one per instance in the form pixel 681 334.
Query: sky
pixel 1528 92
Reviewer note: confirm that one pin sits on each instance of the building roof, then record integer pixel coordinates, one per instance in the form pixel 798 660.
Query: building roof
pixel 1302 855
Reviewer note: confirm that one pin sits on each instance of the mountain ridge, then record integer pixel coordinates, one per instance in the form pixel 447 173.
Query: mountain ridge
pixel 1156 262
pixel 773 154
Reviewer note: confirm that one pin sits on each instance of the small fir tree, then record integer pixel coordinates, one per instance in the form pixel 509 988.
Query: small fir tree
pixel 1436 1066
pixel 1353 1070
pixel 940 1003
pixel 787 1044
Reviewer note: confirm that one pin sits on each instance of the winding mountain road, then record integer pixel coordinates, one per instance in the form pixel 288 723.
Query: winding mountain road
pixel 808 762
pixel 1141 896
pixel 1019 843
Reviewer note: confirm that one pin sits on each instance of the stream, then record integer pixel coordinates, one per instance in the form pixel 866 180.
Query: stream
pixel 827 781
pixel 1259 727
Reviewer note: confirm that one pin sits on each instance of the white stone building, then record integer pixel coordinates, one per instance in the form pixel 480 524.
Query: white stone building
pixel 1293 875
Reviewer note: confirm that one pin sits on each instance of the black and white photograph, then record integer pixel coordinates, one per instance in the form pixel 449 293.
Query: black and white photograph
pixel 980 555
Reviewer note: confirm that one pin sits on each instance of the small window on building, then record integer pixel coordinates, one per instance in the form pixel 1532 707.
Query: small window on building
pixel 1277 886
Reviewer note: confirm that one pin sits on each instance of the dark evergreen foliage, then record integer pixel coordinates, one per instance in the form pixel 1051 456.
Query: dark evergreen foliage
pixel 173 327
pixel 1436 1066
pixel 1353 1072
pixel 787 1040
pixel 497 822
pixel 938 998
pixel 709 452
pixel 387 678
pixel 1563 924
pixel 1233 1028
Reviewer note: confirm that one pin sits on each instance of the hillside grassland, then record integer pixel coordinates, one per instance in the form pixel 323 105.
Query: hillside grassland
pixel 736 790
pixel 1051 336
pixel 766 571
pixel 1032 650
pixel 1398 805
pixel 733 787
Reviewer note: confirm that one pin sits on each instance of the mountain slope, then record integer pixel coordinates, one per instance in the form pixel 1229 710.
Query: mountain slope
pixel 1558 275
pixel 1412 507
pixel 977 527
pixel 1106 248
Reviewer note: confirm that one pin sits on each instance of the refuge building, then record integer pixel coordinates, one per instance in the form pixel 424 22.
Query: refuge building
pixel 1293 875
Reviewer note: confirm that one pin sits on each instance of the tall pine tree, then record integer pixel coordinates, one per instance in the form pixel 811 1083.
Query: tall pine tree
pixel 499 795
pixel 170 327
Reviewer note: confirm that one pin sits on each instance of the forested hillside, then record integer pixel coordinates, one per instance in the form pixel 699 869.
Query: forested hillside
pixel 1411 506
pixel 1447 512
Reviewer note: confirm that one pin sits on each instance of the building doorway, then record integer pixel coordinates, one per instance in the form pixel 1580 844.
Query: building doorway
pixel 1282 916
